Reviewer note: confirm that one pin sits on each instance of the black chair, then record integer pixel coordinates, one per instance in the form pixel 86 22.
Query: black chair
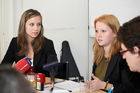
pixel 67 57
pixel 63 71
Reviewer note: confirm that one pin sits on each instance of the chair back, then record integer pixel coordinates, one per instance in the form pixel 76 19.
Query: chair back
pixel 67 57
pixel 63 71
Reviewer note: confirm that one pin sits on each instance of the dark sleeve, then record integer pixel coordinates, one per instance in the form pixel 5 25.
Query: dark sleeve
pixel 125 84
pixel 93 69
pixel 9 57
pixel 51 50
pixel 49 54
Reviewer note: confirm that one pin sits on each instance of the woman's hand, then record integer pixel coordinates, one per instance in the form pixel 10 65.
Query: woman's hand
pixel 96 84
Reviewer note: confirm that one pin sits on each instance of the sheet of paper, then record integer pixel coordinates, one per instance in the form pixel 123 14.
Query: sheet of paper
pixel 69 85
pixel 64 87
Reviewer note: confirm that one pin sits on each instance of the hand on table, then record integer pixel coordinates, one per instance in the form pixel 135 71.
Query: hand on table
pixel 96 84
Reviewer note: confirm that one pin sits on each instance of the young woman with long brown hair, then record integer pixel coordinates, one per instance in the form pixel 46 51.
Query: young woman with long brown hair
pixel 30 42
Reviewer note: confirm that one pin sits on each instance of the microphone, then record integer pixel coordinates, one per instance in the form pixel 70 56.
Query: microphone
pixel 51 67
pixel 23 65
pixel 52 63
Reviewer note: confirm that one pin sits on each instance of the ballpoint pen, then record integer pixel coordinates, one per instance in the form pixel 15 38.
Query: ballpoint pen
pixel 52 82
pixel 52 87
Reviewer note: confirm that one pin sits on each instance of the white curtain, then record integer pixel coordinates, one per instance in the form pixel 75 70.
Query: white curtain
pixel 6 25
pixel 0 25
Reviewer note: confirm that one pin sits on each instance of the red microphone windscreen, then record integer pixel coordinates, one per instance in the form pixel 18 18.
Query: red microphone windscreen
pixel 23 65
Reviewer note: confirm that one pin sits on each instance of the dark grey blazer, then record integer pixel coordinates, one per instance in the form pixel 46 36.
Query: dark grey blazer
pixel 40 58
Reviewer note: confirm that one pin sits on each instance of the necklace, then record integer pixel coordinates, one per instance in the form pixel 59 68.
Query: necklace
pixel 106 59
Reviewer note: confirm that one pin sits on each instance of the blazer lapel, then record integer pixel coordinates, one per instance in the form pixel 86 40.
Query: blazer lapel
pixel 111 66
pixel 36 59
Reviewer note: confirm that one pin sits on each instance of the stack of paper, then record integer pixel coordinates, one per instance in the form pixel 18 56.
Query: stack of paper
pixel 64 87
pixel 70 86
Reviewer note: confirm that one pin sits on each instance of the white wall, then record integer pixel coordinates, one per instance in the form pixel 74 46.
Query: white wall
pixel 6 31
pixel 62 19
pixel 124 10
pixel 0 24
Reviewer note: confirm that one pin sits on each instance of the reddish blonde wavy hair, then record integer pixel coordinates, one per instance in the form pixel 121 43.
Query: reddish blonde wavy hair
pixel 113 23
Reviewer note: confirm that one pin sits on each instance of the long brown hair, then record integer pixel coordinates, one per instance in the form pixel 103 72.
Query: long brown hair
pixel 22 40
pixel 113 23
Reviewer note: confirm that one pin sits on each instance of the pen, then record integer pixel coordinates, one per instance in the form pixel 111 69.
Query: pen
pixel 110 90
pixel 52 87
